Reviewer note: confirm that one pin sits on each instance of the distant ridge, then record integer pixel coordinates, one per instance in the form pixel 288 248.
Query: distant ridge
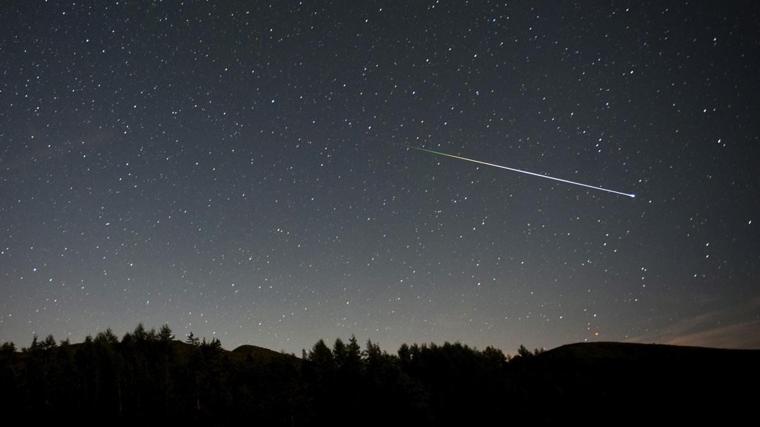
pixel 645 382
pixel 627 351
pixel 261 354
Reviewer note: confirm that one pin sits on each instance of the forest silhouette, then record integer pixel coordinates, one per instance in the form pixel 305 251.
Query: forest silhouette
pixel 150 377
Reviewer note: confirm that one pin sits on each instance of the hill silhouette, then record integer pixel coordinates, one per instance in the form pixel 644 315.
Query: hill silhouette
pixel 148 376
pixel 258 354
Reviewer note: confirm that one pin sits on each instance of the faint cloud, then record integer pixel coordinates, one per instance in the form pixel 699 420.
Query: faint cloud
pixel 738 335
pixel 42 151
pixel 735 328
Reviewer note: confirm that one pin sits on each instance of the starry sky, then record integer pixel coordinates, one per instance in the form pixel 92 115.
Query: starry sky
pixel 243 170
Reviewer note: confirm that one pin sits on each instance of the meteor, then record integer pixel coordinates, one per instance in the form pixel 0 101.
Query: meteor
pixel 566 181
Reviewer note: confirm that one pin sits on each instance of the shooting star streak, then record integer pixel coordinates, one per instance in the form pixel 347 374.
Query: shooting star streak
pixel 566 181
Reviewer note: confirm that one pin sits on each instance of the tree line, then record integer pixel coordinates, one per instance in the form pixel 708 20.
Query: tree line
pixel 148 374
pixel 150 377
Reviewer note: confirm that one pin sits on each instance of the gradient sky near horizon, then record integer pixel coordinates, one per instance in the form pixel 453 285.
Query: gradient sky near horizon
pixel 242 170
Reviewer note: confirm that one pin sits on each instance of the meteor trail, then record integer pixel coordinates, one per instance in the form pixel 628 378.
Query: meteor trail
pixel 631 195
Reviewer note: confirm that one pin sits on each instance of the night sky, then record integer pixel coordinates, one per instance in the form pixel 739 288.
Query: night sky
pixel 244 170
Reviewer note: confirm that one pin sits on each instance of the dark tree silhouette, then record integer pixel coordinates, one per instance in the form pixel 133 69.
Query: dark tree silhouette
pixel 165 334
pixel 150 378
pixel 524 352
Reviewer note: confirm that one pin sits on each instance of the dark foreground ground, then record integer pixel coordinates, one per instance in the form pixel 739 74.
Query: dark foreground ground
pixel 151 379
